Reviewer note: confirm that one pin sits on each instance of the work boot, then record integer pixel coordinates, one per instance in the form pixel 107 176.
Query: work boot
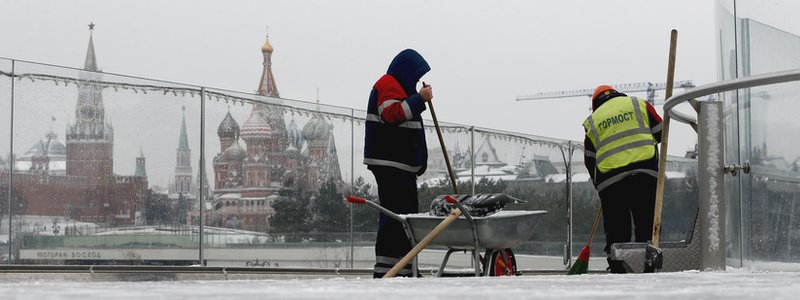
pixel 616 266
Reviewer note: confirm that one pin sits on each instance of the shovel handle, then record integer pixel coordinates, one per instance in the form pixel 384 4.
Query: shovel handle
pixel 441 143
pixel 662 157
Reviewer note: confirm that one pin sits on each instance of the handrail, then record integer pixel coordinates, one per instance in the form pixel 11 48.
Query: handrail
pixel 724 86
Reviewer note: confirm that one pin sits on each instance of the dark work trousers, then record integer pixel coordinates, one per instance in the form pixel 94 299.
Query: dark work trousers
pixel 632 197
pixel 397 192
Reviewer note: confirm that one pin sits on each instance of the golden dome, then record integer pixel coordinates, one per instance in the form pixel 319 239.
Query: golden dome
pixel 267 46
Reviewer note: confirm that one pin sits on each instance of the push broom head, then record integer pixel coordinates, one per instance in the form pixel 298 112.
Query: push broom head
pixel 581 265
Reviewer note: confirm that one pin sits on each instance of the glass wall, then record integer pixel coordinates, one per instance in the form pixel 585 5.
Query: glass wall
pixel 100 167
pixel 757 39
pixel 6 159
pixel 110 169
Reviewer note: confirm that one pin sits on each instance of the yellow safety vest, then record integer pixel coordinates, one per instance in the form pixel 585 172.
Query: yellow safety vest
pixel 620 132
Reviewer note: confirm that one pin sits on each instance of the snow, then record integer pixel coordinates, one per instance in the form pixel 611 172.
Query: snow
pixel 731 284
pixel 711 167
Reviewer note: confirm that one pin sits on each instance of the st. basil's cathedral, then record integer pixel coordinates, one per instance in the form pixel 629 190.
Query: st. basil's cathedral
pixel 263 155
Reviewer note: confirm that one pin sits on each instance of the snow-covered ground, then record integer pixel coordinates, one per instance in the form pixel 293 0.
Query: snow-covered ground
pixel 731 284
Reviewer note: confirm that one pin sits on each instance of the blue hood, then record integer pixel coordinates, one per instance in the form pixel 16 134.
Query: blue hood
pixel 408 67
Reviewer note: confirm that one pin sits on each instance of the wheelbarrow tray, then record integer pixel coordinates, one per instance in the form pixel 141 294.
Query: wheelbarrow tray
pixel 501 230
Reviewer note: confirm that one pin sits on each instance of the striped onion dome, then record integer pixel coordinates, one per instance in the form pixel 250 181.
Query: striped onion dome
pixel 255 127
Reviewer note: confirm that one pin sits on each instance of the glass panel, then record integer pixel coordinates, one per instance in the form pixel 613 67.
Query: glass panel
pixel 99 178
pixel 679 208
pixel 365 218
pixel 436 181
pixel 531 168
pixel 762 203
pixel 727 70
pixel 585 205
pixel 278 172
pixel 5 158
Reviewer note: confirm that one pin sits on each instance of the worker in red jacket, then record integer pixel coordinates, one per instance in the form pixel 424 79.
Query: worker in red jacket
pixel 621 155
pixel 395 151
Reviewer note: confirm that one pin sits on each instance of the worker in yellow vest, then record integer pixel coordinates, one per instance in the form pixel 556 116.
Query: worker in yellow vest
pixel 621 154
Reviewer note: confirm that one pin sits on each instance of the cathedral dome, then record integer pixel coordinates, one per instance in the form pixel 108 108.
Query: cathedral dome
pixel 295 135
pixel 235 152
pixel 48 146
pixel 267 47
pixel 316 128
pixel 255 127
pixel 228 128
pixel 292 152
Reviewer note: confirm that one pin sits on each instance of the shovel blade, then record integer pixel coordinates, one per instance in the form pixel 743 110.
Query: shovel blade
pixel 653 259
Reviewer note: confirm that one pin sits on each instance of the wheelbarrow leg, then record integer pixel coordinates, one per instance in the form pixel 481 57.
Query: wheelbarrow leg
pixel 476 257
pixel 444 262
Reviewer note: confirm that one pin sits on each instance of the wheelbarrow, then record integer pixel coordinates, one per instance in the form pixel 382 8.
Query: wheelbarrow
pixel 497 233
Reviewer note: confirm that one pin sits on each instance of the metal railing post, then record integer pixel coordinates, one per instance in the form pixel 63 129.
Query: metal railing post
pixel 352 181
pixel 711 182
pixel 472 158
pixel 11 164
pixel 202 170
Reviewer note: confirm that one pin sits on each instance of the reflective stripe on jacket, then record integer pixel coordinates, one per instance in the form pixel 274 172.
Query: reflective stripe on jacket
pixel 621 133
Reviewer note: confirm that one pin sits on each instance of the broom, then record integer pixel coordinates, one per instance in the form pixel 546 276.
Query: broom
pixel 581 266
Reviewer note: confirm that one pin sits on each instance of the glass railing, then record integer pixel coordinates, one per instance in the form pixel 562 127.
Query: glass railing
pixel 112 169
pixel 756 40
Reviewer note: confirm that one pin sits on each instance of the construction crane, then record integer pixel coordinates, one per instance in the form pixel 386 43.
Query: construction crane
pixel 648 87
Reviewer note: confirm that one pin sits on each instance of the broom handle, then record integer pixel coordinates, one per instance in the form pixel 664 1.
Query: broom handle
pixel 446 222
pixel 441 143
pixel 662 157
pixel 594 226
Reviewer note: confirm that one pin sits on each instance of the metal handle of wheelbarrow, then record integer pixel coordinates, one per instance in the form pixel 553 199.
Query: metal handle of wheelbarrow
pixel 359 200
pixel 451 200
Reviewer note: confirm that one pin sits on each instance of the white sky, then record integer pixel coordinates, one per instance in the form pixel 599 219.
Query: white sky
pixel 483 54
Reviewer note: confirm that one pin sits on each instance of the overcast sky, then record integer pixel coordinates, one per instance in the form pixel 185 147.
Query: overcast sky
pixel 483 54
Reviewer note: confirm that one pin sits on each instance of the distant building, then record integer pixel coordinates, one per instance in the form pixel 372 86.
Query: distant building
pixel 75 180
pixel 487 166
pixel 248 178
pixel 49 147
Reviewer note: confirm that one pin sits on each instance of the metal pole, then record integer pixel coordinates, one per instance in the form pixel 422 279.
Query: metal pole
pixel 202 168
pixel 11 162
pixel 352 179
pixel 472 157
pixel 711 182
pixel 568 247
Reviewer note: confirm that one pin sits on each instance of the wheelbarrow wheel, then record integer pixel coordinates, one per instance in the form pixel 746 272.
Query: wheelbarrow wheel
pixel 501 262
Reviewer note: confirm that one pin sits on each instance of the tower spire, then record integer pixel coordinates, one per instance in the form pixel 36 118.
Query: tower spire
pixel 141 171
pixel 183 167
pixel 266 86
pixel 91 60
pixel 183 141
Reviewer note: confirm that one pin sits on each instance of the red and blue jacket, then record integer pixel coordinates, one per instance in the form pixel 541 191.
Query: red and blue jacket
pixel 395 135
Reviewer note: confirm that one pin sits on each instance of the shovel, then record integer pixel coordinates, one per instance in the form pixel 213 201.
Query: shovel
pixel 653 256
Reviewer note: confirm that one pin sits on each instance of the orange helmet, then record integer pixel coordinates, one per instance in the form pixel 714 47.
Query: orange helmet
pixel 602 90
